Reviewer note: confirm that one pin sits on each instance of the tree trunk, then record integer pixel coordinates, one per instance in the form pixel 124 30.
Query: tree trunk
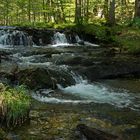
pixel 137 8
pixel 29 10
pixel 87 11
pixel 7 12
pixel 63 12
pixel 105 11
pixel 44 10
pixel 112 13
pixel 78 11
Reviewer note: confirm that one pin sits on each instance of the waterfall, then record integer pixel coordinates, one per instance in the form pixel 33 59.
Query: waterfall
pixel 84 92
pixel 77 38
pixel 97 93
pixel 14 38
pixel 59 39
pixel 86 43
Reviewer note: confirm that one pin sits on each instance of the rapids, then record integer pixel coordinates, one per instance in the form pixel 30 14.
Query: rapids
pixel 112 105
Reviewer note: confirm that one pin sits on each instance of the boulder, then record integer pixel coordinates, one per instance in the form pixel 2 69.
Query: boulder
pixel 81 42
pixel 2 134
pixel 36 78
pixel 95 134
pixel 110 69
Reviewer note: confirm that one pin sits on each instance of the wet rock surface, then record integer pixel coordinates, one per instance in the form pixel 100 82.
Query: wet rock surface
pixel 43 78
pixel 43 37
pixel 95 134
pixel 41 68
pixel 112 69
pixel 90 62
pixel 60 121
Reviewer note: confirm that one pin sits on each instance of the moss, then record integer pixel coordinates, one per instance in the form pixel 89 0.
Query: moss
pixel 129 39
pixel 99 33
pixel 2 134
pixel 14 105
pixel 42 25
pixel 36 78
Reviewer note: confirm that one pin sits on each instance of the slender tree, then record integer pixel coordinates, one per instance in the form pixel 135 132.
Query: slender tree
pixel 78 15
pixel 111 13
pixel 61 11
pixel 137 8
pixel 29 10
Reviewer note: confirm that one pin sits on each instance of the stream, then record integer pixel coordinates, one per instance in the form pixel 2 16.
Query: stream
pixel 111 105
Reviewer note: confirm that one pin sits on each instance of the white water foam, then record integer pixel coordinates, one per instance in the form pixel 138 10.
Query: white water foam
pixel 60 40
pixel 99 94
pixel 30 58
pixel 8 47
pixel 91 92
pixel 56 100
pixel 85 91
pixel 30 64
pixel 86 43
pixel 15 37
pixel 62 45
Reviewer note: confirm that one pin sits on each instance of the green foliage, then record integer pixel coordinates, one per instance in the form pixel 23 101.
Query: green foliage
pixel 44 25
pixel 2 134
pixel 136 22
pixel 44 13
pixel 64 25
pixel 129 39
pixel 16 101
pixel 35 25
pixel 101 32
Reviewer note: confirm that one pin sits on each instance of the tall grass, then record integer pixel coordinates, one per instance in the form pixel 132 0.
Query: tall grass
pixel 14 105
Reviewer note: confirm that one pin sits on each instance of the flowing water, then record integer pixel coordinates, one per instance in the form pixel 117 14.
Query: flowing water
pixel 60 39
pixel 86 92
pixel 93 93
pixel 14 38
pixel 110 105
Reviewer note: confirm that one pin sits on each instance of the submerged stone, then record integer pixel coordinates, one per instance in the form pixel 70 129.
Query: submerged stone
pixel 95 134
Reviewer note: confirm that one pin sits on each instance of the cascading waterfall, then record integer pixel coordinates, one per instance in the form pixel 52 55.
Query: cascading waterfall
pixel 77 38
pixel 15 38
pixel 86 43
pixel 96 92
pixel 59 39
pixel 90 93
pixel 12 37
pixel 82 91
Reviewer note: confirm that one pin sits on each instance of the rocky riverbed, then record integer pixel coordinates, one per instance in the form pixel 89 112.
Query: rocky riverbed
pixel 45 67
pixel 93 86
pixel 94 63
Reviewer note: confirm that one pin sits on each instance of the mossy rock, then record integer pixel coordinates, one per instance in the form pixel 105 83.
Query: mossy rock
pixel 2 134
pixel 36 78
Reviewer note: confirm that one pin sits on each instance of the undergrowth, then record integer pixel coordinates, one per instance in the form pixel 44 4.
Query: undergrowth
pixel 14 103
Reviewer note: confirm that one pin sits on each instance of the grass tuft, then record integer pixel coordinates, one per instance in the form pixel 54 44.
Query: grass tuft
pixel 14 105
